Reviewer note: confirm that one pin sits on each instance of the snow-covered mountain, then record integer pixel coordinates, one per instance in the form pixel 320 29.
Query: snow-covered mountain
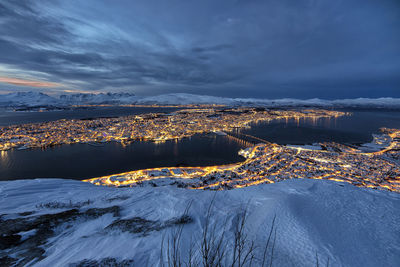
pixel 54 222
pixel 31 99
pixel 37 99
pixel 27 99
pixel 186 99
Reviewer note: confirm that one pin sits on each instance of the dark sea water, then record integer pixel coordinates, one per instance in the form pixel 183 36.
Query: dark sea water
pixel 81 161
pixel 9 117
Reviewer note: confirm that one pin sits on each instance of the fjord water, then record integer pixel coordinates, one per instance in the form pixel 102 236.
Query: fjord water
pixel 356 128
pixel 81 161
pixel 9 117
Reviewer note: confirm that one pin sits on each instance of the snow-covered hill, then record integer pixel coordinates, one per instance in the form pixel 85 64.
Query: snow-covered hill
pixel 76 222
pixel 36 99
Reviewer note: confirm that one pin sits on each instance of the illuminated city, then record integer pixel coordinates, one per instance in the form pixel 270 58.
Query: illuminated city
pixel 155 127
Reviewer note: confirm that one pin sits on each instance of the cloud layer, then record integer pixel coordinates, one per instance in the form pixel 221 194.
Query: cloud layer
pixel 254 48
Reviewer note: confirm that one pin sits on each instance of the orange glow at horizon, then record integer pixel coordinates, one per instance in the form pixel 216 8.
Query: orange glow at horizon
pixel 21 82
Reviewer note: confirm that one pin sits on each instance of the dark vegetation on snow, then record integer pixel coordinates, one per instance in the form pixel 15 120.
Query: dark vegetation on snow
pixel 138 225
pixel 41 228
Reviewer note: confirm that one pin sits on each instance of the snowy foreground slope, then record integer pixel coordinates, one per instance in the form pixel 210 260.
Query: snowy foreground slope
pixel 349 225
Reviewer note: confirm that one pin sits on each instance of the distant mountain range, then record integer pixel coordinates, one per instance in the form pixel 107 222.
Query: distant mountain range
pixel 32 99
pixel 284 102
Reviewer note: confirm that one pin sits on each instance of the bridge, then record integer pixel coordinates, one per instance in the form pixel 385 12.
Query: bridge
pixel 246 139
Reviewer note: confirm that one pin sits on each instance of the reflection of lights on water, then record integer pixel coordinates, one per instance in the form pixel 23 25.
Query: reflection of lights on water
pixel 176 151
pixel 4 157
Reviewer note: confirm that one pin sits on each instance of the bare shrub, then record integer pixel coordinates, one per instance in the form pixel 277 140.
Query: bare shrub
pixel 173 245
pixel 215 248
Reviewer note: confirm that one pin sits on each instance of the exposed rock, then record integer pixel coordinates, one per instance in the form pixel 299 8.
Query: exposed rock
pixel 7 261
pixel 26 213
pixel 8 241
pixel 106 262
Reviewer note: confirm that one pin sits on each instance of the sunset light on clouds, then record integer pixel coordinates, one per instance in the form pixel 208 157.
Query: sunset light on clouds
pixel 29 83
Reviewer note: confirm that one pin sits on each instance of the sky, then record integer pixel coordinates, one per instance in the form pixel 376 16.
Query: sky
pixel 232 48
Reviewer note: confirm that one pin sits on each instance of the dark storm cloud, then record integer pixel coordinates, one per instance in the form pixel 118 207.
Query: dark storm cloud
pixel 20 21
pixel 307 48
pixel 26 48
